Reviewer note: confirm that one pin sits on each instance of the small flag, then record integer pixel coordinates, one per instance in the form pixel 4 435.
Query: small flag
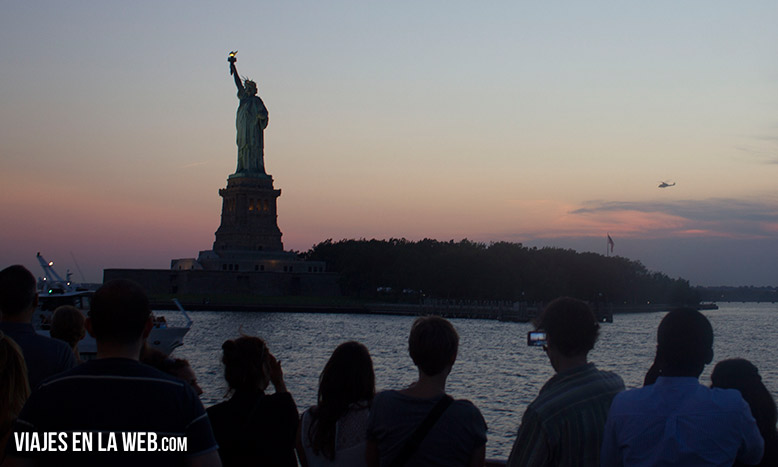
pixel 610 242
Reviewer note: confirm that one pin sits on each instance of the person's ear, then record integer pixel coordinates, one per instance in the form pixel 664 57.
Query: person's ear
pixel 708 356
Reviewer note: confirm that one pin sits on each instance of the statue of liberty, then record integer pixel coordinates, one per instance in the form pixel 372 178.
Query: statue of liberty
pixel 251 121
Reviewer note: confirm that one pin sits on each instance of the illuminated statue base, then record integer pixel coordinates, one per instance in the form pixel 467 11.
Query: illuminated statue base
pixel 249 217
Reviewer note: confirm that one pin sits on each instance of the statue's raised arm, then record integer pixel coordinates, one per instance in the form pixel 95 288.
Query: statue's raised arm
pixel 234 70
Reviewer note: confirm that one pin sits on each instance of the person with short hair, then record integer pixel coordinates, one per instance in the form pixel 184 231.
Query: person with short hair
pixel 454 432
pixel 116 394
pixel 676 420
pixel 67 325
pixel 254 428
pixel 564 424
pixel 44 356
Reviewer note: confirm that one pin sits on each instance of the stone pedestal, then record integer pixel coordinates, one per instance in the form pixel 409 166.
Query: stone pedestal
pixel 249 218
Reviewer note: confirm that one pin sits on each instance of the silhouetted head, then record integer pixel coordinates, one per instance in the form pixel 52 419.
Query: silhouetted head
pixel 742 375
pixel 735 373
pixel 17 290
pixel 67 324
pixel 347 378
pixel 348 375
pixel 120 312
pixel 570 326
pixel 14 386
pixel 250 86
pixel 433 344
pixel 246 364
pixel 684 343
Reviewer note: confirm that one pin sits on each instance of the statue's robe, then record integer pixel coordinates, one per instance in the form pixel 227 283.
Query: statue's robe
pixel 251 121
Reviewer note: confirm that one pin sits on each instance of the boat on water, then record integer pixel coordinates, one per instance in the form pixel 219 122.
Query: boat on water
pixel 54 291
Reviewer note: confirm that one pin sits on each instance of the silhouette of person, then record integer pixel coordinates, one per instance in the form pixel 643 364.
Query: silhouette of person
pixel 44 356
pixel 251 427
pixel 564 425
pixel 676 420
pixel 333 431
pixel 740 374
pixel 455 432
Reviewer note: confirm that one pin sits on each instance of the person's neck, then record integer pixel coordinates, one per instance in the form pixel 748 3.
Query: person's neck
pixel 428 386
pixel 115 350
pixel 567 363
pixel 24 317
pixel 670 373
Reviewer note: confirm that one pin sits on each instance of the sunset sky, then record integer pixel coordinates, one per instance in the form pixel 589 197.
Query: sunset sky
pixel 546 123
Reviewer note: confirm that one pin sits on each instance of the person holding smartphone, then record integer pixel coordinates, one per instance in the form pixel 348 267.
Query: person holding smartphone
pixel 564 425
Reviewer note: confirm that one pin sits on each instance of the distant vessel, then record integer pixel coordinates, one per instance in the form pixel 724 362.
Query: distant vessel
pixel 54 291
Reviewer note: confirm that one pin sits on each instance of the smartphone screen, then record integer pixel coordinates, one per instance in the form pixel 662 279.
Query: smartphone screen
pixel 536 338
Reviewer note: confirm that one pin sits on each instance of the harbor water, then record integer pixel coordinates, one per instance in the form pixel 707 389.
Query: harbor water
pixel 495 368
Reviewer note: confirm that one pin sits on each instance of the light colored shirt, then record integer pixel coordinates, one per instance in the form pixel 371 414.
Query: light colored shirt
pixel 564 424
pixel 350 438
pixel 678 421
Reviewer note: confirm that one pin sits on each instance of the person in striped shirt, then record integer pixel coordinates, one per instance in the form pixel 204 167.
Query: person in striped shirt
pixel 564 425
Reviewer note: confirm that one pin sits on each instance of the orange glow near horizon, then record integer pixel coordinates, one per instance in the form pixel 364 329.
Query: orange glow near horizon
pixel 120 158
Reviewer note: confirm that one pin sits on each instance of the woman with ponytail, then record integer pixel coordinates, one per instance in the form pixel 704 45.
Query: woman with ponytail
pixel 254 428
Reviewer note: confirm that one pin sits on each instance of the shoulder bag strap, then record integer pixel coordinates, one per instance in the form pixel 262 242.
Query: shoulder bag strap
pixel 421 432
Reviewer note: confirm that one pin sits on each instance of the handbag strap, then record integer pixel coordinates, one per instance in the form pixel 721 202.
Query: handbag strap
pixel 421 431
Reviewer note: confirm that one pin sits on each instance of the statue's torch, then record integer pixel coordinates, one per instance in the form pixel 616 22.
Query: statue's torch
pixel 232 59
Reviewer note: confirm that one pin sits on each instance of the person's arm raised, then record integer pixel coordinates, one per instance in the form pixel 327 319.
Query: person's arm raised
pixel 276 374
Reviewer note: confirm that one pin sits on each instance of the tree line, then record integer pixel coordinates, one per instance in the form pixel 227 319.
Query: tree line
pixel 738 294
pixel 496 271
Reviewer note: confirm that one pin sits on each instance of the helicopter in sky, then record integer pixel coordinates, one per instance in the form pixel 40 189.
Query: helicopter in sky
pixel 665 184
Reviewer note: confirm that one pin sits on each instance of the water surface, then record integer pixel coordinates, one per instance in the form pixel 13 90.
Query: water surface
pixel 495 369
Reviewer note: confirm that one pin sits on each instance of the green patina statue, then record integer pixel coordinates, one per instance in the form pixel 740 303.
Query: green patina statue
pixel 251 121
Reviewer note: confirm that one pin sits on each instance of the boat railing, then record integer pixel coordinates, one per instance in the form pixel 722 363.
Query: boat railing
pixel 183 312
